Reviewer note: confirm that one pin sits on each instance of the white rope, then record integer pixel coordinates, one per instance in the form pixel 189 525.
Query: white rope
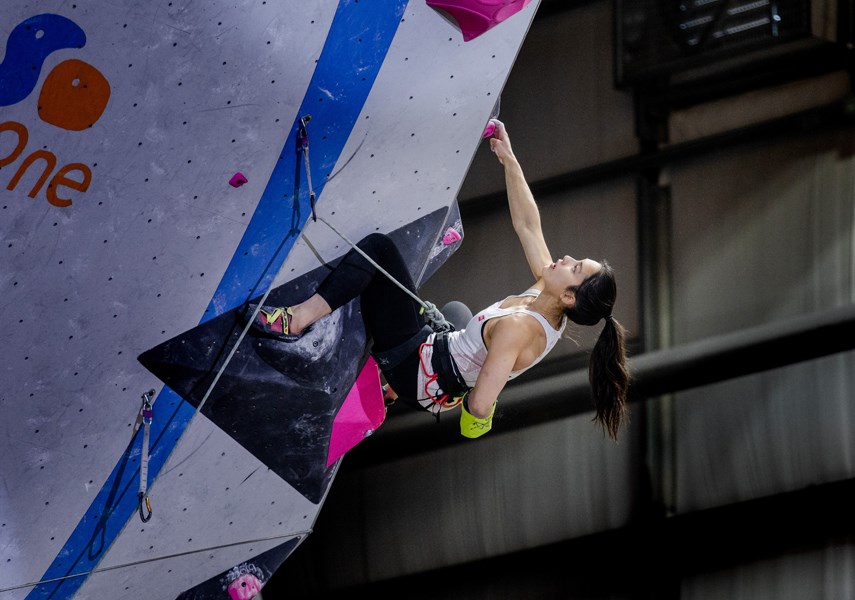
pixel 376 266
pixel 430 310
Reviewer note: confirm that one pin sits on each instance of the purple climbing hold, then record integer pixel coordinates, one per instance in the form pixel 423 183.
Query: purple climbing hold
pixel 237 180
pixel 475 17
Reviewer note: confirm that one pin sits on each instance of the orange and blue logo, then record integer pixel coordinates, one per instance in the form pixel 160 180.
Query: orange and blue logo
pixel 73 97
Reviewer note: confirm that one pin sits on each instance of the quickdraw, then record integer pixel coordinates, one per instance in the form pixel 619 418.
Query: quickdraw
pixel 303 141
pixel 146 417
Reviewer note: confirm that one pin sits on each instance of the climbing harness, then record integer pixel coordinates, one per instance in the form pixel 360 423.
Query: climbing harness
pixel 433 388
pixel 303 141
pixel 147 416
pixel 448 375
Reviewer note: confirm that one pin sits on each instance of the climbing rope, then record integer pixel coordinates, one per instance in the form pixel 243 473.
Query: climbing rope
pixel 437 321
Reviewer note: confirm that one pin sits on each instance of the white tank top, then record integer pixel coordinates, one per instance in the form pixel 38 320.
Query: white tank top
pixel 469 352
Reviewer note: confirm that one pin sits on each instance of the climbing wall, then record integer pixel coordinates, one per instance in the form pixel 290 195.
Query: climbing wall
pixel 154 177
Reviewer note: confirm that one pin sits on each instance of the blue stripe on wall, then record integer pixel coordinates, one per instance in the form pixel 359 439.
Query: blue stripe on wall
pixel 347 69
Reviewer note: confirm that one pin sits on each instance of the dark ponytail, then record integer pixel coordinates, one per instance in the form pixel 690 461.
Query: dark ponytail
pixel 607 370
pixel 609 377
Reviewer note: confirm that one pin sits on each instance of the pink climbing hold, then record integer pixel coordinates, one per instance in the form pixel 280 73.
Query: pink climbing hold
pixel 245 587
pixel 362 412
pixel 451 236
pixel 237 180
pixel 475 17
pixel 489 130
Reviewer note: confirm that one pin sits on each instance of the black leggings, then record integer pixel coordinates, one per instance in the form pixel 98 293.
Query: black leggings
pixel 391 316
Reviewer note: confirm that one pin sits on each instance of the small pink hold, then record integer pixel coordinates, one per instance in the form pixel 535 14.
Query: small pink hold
pixel 451 236
pixel 237 180
pixel 489 130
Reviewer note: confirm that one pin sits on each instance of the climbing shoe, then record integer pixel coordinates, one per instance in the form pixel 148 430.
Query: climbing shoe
pixel 273 322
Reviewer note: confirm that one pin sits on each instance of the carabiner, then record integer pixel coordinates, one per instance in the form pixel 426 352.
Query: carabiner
pixel 143 497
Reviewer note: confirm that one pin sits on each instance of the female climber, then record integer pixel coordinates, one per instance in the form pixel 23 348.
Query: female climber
pixel 469 367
